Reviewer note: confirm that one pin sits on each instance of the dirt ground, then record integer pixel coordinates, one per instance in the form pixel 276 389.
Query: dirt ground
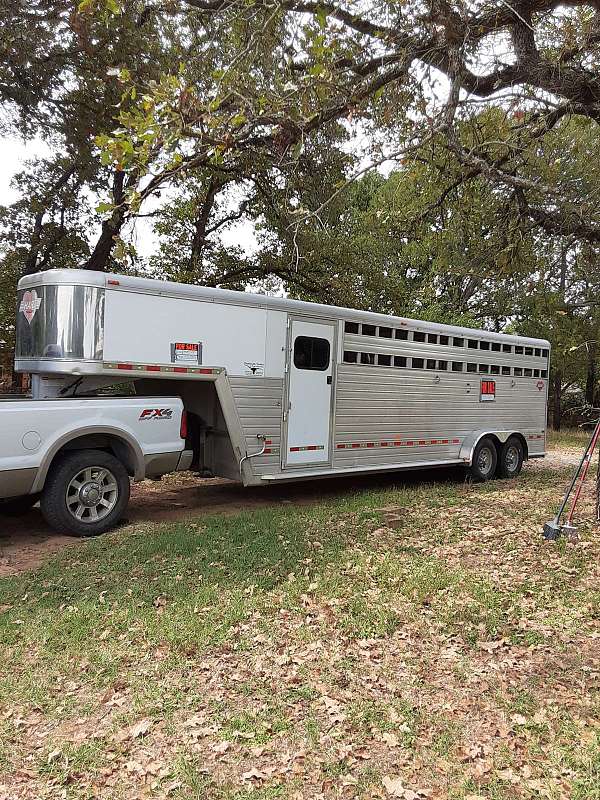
pixel 25 542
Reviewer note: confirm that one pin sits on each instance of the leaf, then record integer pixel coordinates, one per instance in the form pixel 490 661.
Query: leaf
pixel 393 786
pixel 391 739
pixel 254 774
pixel 140 728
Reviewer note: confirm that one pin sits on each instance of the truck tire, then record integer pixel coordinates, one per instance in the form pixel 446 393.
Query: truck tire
pixel 485 460
pixel 17 506
pixel 86 493
pixel 511 458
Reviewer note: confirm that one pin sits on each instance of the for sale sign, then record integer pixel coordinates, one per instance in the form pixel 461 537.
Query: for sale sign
pixel 488 391
pixel 186 352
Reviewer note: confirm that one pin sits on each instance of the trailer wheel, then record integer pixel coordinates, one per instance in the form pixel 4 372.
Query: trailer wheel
pixel 485 460
pixel 17 506
pixel 86 493
pixel 511 458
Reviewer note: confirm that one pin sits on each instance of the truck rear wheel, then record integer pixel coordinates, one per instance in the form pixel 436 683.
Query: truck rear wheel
pixel 86 493
pixel 485 460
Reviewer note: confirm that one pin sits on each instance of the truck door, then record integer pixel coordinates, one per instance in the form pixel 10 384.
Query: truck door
pixel 310 373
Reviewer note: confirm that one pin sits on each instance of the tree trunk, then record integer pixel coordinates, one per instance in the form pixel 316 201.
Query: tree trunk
pixel 557 401
pixel 201 224
pixel 31 260
pixel 590 381
pixel 98 261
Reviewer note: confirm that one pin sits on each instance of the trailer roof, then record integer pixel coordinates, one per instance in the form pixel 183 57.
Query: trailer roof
pixel 189 292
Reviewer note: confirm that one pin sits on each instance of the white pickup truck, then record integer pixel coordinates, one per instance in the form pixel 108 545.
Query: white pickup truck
pixel 77 455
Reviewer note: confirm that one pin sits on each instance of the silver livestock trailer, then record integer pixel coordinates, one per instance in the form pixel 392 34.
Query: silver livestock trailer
pixel 283 390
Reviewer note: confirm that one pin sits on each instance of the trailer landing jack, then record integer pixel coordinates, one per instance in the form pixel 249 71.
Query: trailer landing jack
pixel 555 529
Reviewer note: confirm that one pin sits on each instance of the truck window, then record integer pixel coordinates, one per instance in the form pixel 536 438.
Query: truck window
pixel 311 353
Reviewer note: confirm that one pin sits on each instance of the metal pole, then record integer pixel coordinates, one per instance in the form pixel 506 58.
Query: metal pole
pixel 552 530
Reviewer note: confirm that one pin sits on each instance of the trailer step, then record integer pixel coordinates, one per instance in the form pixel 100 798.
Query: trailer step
pixel 296 475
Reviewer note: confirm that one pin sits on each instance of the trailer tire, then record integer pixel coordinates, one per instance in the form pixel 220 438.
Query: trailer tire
pixel 511 458
pixel 17 506
pixel 86 493
pixel 485 460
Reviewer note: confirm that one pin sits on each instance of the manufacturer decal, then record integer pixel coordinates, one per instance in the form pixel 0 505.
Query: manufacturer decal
pixel 255 368
pixel 156 413
pixel 30 305
pixel 540 385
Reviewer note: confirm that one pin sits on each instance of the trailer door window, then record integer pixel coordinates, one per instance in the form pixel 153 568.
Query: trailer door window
pixel 311 353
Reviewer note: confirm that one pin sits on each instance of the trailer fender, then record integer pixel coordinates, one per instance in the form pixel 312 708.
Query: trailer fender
pixel 469 444
pixel 121 438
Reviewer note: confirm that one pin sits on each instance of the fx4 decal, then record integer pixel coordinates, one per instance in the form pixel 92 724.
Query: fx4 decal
pixel 156 413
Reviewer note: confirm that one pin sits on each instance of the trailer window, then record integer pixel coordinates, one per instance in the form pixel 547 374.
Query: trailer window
pixel 507 348
pixel 457 341
pixel 528 373
pixel 431 363
pixel 471 367
pixel 529 351
pixel 432 338
pixel 401 333
pixel 506 370
pixel 384 360
pixel 496 347
pixel 538 351
pixel 484 345
pixel 367 358
pixel 399 361
pixel 444 340
pixel 350 357
pixel 442 365
pixel 311 353
pixel 418 336
pixel 484 368
pixel 457 366
pixel 369 330
pixel 417 363
pixel 544 373
pixel 518 372
pixel 518 350
pixel 385 333
pixel 351 327
pixel 536 373
pixel 495 369
pixel 473 344
pixel 545 353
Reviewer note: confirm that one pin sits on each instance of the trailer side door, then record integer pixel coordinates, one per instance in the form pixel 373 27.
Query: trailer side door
pixel 310 375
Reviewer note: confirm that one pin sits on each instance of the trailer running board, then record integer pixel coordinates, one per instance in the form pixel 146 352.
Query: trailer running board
pixel 297 475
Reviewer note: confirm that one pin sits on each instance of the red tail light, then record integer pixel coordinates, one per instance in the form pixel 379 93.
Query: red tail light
pixel 183 428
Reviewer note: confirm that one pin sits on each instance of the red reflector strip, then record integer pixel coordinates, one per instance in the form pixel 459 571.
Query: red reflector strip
pixel 113 283
pixel 307 447
pixel 119 365
pixel 395 443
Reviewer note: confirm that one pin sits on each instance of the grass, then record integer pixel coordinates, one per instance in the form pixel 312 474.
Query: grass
pixel 420 631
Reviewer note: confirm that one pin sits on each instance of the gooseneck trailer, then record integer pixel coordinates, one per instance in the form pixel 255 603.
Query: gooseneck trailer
pixel 254 388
